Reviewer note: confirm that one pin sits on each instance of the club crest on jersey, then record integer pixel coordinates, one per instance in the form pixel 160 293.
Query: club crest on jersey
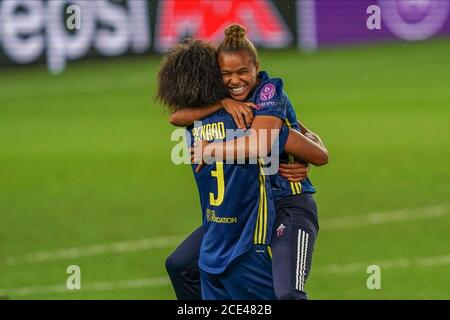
pixel 267 92
pixel 280 230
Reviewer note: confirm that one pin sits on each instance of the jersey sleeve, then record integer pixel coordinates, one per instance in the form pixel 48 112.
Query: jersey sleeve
pixel 271 99
pixel 291 117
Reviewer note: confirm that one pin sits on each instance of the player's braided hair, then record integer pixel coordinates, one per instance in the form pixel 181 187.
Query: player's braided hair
pixel 236 40
pixel 190 76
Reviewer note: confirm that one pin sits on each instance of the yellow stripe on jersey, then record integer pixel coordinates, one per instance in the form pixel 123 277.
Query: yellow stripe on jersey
pixel 264 231
pixel 260 234
pixel 288 123
pixel 296 187
pixel 265 213
pixel 261 216
pixel 269 249
pixel 293 188
pixel 255 238
pixel 260 224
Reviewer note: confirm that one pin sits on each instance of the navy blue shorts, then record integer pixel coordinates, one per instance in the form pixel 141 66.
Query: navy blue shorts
pixel 248 277
pixel 295 234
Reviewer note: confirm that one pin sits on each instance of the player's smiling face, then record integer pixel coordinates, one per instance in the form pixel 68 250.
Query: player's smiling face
pixel 239 73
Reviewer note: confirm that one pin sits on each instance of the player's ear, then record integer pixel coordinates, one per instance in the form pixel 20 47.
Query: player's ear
pixel 257 66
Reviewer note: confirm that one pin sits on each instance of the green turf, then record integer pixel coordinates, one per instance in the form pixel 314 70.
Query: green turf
pixel 85 159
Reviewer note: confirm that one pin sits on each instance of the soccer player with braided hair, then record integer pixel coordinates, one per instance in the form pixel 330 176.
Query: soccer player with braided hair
pixel 235 277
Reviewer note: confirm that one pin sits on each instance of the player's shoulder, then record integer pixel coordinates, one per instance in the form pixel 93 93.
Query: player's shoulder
pixel 213 117
pixel 268 88
pixel 220 118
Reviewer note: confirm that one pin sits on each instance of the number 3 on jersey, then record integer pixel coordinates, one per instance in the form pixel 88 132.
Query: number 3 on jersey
pixel 218 174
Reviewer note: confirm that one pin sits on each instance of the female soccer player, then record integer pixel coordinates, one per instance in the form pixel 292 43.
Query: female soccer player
pixel 297 221
pixel 234 258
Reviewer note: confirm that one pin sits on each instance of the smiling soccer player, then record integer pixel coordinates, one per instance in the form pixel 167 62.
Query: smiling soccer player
pixel 239 66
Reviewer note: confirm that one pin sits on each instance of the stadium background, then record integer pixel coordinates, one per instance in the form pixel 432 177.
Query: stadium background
pixel 86 176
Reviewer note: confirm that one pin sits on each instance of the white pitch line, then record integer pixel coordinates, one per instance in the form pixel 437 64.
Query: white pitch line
pixel 95 250
pixel 424 262
pixel 386 217
pixel 96 286
pixel 434 261
pixel 164 242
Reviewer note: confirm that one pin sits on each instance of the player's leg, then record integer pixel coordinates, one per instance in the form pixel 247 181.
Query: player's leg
pixel 182 267
pixel 212 287
pixel 249 277
pixel 293 242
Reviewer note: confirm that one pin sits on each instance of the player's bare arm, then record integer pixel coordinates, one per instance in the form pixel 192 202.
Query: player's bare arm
pixel 240 111
pixel 304 149
pixel 311 135
pixel 258 143
pixel 298 171
pixel 186 116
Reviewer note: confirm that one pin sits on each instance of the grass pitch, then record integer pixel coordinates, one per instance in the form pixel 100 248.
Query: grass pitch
pixel 86 176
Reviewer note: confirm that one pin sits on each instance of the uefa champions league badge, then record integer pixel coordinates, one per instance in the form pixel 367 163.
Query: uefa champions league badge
pixel 267 92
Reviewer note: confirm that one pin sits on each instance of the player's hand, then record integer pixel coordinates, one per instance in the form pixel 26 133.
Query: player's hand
pixel 294 172
pixel 240 111
pixel 197 154
pixel 310 136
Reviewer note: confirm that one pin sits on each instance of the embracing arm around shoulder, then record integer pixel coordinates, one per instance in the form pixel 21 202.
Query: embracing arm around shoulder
pixel 240 111
pixel 305 149
pixel 257 143
pixel 311 135
pixel 186 116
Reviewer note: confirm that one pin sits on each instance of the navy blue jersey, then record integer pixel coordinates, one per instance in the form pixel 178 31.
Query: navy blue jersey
pixel 236 199
pixel 269 97
pixel 281 186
